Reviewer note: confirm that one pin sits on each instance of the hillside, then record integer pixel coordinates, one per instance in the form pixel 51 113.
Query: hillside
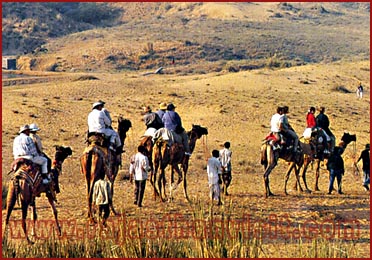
pixel 183 37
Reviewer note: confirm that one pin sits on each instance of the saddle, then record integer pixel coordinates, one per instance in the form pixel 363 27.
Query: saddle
pixel 30 172
pixel 98 139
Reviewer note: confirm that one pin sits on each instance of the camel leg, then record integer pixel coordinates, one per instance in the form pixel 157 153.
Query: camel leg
pixel 317 173
pixel 55 212
pixel 297 173
pixel 33 216
pixel 266 180
pixel 305 166
pixel 185 167
pixel 90 202
pixel 111 202
pixel 161 185
pixel 288 173
pixel 10 201
pixel 24 217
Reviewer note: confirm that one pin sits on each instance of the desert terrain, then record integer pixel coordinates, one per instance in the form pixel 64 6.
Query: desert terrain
pixel 230 83
pixel 235 107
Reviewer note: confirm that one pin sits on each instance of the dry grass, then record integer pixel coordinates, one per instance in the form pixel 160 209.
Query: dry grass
pixel 235 107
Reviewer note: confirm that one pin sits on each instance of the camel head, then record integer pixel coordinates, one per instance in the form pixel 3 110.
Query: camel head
pixel 124 124
pixel 62 152
pixel 347 139
pixel 198 130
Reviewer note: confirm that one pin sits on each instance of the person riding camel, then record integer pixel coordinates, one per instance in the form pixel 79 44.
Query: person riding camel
pixel 162 110
pixel 37 141
pixel 287 130
pixel 172 121
pixel 99 122
pixel 310 123
pixel 275 124
pixel 152 119
pixel 24 147
pixel 322 122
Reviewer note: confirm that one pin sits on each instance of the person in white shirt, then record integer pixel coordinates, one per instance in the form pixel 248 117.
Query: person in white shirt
pixel 102 198
pixel 24 147
pixel 225 159
pixel 139 169
pixel 214 171
pixel 99 122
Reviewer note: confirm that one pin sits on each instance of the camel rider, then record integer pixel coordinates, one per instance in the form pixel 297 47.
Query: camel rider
pixel 322 121
pixel 99 122
pixel 172 121
pixel 162 110
pixel 286 129
pixel 24 147
pixel 37 141
pixel 275 124
pixel 152 119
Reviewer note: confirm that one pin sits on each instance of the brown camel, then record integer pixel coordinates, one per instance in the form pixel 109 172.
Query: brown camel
pixel 97 160
pixel 320 156
pixel 163 155
pixel 270 157
pixel 26 184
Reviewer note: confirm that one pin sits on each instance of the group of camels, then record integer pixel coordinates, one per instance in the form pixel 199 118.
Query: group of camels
pixel 307 152
pixel 97 161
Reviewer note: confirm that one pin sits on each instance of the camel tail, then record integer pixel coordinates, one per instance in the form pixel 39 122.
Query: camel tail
pixel 264 161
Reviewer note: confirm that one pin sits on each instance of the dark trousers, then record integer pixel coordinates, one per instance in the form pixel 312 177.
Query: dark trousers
pixel 226 178
pixel 139 191
pixel 335 174
pixel 105 209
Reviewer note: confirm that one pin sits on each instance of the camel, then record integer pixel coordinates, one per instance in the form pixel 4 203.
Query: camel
pixel 164 155
pixel 270 157
pixel 26 184
pixel 320 156
pixel 97 160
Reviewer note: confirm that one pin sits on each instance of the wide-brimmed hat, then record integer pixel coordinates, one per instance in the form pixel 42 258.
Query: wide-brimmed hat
pixel 34 127
pixel 147 109
pixel 171 106
pixel 24 128
pixel 98 103
pixel 163 105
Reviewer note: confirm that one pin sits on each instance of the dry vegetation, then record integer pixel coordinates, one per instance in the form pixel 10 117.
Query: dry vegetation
pixel 235 107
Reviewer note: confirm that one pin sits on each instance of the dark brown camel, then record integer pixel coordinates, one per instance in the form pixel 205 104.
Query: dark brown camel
pixel 97 160
pixel 321 156
pixel 163 155
pixel 146 141
pixel 270 157
pixel 26 183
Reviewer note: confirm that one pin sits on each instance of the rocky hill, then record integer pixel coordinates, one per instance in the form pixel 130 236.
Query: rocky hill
pixel 187 37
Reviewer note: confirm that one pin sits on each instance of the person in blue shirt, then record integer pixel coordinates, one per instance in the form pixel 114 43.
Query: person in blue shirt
pixel 172 121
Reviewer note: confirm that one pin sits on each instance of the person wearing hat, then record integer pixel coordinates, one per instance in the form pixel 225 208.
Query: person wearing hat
pixel 152 119
pixel 322 121
pixel 364 156
pixel 39 147
pixel 99 122
pixel 172 121
pixel 24 147
pixel 162 110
